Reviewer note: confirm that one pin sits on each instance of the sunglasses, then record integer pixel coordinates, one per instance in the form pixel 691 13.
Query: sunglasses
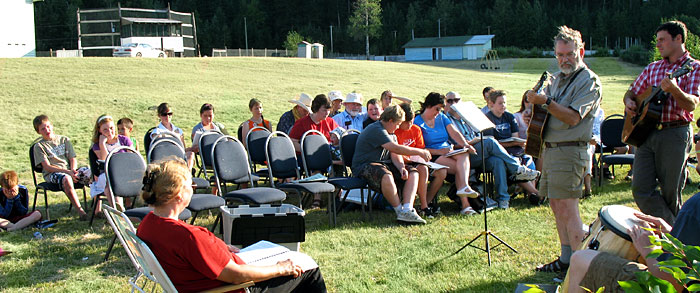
pixel 453 100
pixel 167 114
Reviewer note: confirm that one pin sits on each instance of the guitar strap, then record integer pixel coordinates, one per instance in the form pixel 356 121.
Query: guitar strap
pixel 568 84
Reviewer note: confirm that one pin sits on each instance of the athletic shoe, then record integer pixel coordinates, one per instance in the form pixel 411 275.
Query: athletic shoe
pixel 503 204
pixel 427 213
pixel 526 174
pixel 467 211
pixel 410 217
pixel 468 192
pixel 45 224
pixel 490 205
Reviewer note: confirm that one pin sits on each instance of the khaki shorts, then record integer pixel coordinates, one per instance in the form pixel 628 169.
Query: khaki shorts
pixel 606 269
pixel 563 170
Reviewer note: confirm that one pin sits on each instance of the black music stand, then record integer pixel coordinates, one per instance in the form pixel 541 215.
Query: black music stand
pixel 488 192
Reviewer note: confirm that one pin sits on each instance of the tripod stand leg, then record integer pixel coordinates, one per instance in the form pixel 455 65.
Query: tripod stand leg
pixel 488 247
pixel 503 242
pixel 470 242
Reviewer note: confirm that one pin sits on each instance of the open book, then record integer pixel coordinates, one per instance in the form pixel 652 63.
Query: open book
pixel 456 152
pixel 471 114
pixel 265 253
pixel 431 165
pixel 314 178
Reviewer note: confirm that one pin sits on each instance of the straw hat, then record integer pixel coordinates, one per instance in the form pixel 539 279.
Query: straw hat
pixel 302 100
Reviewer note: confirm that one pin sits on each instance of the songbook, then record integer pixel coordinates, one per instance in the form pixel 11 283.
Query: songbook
pixel 314 178
pixel 472 115
pixel 431 165
pixel 456 152
pixel 265 253
pixel 512 139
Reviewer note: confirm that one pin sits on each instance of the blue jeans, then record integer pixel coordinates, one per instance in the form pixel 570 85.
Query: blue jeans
pixel 498 161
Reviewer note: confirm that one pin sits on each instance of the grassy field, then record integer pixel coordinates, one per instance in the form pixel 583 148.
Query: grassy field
pixel 378 255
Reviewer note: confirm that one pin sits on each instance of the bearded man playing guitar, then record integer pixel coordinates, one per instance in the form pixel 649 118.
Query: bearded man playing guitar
pixel 663 154
pixel 572 99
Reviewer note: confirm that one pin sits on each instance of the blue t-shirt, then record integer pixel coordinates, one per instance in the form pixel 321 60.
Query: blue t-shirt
pixel 686 226
pixel 437 137
pixel 506 125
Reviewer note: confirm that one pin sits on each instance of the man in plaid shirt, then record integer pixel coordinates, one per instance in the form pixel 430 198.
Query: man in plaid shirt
pixel 662 156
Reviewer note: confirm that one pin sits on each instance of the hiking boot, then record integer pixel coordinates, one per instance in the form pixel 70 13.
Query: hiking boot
pixel 526 174
pixel 410 217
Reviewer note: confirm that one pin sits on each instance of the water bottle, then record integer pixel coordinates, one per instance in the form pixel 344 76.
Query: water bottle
pixel 38 236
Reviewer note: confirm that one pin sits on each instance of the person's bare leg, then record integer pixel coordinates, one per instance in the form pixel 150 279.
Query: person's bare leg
pixel 69 190
pixel 528 186
pixel 568 220
pixel 436 183
pixel 32 218
pixel 389 190
pixel 409 188
pixel 422 185
pixel 580 263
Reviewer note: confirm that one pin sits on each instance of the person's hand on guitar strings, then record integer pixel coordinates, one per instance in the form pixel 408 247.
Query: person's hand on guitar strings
pixel 535 98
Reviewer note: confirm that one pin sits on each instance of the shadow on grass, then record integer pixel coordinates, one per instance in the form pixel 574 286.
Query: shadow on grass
pixel 68 249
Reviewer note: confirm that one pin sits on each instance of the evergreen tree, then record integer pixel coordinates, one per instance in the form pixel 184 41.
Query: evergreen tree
pixel 366 21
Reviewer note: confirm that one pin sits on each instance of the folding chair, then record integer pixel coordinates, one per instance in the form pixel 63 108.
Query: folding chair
pixel 282 164
pixel 255 141
pixel 200 183
pixel 316 157
pixel 47 186
pixel 164 149
pixel 120 223
pixel 96 167
pixel 124 172
pixel 610 138
pixel 154 271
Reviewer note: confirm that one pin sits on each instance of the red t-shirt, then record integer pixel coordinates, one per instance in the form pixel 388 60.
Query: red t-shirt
pixel 305 124
pixel 413 137
pixel 191 255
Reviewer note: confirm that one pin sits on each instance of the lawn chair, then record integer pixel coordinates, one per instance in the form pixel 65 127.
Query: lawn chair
pixel 611 137
pixel 124 171
pixel 120 223
pixel 164 149
pixel 316 157
pixel 282 164
pixel 154 272
pixel 46 186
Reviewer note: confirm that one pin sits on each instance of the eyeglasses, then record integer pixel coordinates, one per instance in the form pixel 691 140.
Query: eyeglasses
pixel 167 114
pixel 453 100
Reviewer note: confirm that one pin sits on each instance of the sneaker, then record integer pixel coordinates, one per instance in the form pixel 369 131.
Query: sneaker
pixel 468 211
pixel 410 217
pixel 45 224
pixel 503 204
pixel 427 213
pixel 468 192
pixel 526 174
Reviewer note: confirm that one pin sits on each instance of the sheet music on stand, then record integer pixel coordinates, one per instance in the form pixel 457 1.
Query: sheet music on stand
pixel 472 115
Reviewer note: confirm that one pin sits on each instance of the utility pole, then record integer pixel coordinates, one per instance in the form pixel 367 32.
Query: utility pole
pixel 488 30
pixel 439 28
pixel 245 26
pixel 331 38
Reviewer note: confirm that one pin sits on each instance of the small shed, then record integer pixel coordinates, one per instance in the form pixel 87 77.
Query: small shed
pixel 17 21
pixel 448 48
pixel 308 50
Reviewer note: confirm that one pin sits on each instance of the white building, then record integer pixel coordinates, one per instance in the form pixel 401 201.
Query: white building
pixel 17 28
pixel 448 48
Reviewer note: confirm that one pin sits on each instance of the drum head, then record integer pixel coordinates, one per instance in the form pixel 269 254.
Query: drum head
pixel 618 219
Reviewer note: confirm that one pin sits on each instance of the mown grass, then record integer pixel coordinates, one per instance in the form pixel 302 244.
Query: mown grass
pixel 355 256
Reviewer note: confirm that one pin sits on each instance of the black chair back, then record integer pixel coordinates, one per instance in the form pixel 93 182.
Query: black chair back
pixel 281 157
pixel 347 146
pixel 255 140
pixel 315 152
pixel 206 142
pixel 125 172
pixel 611 131
pixel 96 167
pixel 147 138
pixel 164 148
pixel 230 160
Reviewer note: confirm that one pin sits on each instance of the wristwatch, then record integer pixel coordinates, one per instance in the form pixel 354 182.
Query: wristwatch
pixel 549 101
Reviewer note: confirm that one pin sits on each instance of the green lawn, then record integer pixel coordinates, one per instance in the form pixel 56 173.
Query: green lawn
pixel 378 255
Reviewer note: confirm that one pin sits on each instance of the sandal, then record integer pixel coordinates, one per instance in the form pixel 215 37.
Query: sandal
pixel 316 204
pixel 553 267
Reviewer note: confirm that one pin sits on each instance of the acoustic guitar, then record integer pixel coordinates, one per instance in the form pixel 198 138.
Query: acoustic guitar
pixel 649 108
pixel 538 120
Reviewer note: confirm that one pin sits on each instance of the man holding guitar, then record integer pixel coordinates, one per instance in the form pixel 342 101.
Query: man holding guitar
pixel 572 98
pixel 662 155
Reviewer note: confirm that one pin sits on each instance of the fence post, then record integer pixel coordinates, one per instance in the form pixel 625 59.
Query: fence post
pixel 252 52
pixel 239 52
pixel 265 52
pixel 285 53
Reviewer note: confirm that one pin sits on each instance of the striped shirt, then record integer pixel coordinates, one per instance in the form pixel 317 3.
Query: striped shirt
pixel 655 72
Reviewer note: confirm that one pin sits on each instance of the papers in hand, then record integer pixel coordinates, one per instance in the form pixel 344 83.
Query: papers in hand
pixel 431 165
pixel 265 253
pixel 471 114
pixel 313 178
pixel 512 139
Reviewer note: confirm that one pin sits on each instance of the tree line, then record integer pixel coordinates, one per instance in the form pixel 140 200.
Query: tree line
pixel 519 23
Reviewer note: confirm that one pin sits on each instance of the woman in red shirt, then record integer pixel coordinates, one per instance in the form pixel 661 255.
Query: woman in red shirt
pixel 194 258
